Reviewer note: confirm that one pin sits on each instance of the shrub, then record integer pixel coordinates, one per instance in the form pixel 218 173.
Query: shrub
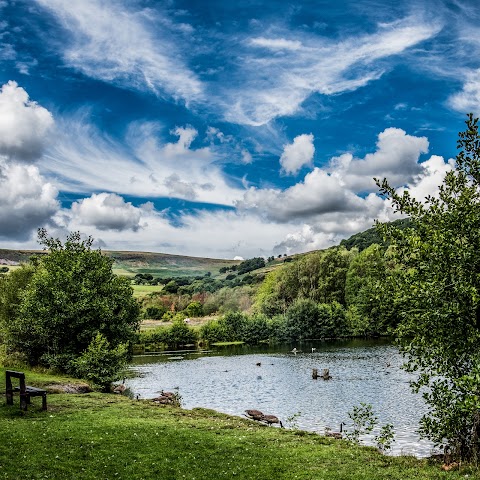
pixel 100 363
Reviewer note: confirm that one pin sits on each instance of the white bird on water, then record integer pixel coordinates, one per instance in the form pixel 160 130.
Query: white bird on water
pixel 294 351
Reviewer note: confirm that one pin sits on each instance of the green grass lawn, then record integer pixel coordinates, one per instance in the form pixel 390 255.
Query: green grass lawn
pixel 143 290
pixel 104 436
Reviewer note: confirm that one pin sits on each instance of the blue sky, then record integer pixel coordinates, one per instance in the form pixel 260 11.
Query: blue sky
pixel 226 129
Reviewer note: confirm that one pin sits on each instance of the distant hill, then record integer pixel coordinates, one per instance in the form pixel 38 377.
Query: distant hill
pixel 364 239
pixel 164 265
pixel 131 263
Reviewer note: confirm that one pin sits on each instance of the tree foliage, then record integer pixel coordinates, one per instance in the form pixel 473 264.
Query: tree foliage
pixel 52 309
pixel 438 286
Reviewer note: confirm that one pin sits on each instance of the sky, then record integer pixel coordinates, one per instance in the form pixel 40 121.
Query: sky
pixel 226 129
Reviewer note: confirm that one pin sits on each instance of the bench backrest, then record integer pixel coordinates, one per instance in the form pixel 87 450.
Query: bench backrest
pixel 8 379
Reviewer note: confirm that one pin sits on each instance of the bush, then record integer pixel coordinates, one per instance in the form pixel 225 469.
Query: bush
pixel 255 329
pixel 194 309
pixel 155 313
pixel 100 363
pixel 213 331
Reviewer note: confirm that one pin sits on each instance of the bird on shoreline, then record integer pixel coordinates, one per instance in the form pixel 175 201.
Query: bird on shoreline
pixel 337 435
pixel 120 388
pixel 270 419
pixel 254 415
pixel 294 351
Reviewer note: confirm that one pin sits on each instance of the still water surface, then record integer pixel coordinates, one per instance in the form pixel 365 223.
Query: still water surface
pixel 229 380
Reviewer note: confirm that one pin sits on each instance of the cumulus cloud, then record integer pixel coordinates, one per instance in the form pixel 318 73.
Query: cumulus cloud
pixel 216 234
pixel 304 240
pixel 318 193
pixel 333 203
pixel 24 124
pixel 111 42
pixel 27 201
pixel 107 211
pixel 396 158
pixel 297 154
pixel 431 175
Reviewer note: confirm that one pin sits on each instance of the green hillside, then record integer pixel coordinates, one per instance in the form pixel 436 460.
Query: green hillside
pixel 363 240
pixel 130 263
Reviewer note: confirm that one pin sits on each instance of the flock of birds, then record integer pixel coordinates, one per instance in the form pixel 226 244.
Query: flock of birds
pixel 261 417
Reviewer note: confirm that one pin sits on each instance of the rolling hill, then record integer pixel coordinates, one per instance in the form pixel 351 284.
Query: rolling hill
pixel 130 263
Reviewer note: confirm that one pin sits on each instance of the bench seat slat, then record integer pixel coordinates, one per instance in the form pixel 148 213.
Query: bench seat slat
pixel 32 390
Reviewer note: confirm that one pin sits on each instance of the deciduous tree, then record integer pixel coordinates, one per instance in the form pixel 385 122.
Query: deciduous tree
pixel 439 283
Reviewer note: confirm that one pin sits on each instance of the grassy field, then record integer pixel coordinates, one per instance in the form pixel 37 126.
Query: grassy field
pixel 104 436
pixel 140 291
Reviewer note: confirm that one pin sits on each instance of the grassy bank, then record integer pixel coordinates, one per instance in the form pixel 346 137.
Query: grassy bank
pixel 95 436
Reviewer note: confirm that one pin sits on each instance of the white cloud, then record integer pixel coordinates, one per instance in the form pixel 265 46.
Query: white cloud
pixel 113 43
pixel 304 240
pixel 276 43
pixel 107 211
pixel 319 193
pixel 396 158
pixel 297 154
pixel 85 159
pixel 27 201
pixel 178 188
pixel 246 157
pixel 430 177
pixel 24 124
pixel 468 99
pixel 316 64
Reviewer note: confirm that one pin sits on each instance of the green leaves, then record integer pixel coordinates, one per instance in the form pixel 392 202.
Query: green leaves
pixel 53 309
pixel 437 286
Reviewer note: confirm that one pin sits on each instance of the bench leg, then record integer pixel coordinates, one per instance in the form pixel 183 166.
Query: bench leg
pixel 9 396
pixel 24 401
pixel 44 401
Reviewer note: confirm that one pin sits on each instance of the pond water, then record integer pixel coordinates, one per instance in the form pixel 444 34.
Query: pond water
pixel 228 379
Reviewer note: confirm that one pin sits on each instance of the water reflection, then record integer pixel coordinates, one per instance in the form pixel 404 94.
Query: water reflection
pixel 229 379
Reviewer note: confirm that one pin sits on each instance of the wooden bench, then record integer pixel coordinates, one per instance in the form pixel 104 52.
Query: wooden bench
pixel 26 392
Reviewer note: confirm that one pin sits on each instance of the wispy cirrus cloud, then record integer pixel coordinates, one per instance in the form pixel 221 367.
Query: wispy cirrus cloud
pixel 142 164
pixel 110 41
pixel 468 99
pixel 276 85
pixel 276 43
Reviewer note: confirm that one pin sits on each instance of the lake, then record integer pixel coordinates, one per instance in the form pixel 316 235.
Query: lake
pixel 228 379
